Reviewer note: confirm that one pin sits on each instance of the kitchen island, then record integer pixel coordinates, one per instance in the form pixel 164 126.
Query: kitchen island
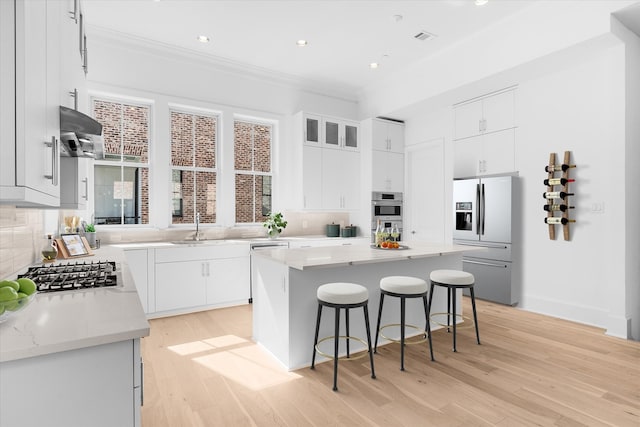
pixel 73 357
pixel 285 283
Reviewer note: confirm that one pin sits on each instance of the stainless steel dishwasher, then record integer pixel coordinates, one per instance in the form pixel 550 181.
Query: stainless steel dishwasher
pixel 260 246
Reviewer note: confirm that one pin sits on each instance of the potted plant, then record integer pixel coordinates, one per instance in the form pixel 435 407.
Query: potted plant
pixel 275 223
pixel 90 235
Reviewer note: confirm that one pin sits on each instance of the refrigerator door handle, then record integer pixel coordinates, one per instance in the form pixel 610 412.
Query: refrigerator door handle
pixel 482 207
pixel 478 212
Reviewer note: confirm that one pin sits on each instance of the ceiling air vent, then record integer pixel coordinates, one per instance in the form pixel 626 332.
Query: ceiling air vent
pixel 424 35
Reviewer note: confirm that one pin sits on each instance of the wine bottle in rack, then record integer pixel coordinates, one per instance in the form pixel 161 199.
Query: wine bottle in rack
pixel 556 195
pixel 557 168
pixel 557 207
pixel 558 181
pixel 558 220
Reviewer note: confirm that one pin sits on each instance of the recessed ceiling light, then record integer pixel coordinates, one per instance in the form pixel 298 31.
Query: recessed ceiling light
pixel 302 43
pixel 374 65
pixel 481 2
pixel 204 39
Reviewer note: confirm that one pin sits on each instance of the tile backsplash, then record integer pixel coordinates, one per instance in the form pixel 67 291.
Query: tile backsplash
pixel 22 238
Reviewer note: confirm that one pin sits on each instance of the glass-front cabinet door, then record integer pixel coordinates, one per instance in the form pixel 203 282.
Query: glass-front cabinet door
pixel 351 136
pixel 312 129
pixel 332 135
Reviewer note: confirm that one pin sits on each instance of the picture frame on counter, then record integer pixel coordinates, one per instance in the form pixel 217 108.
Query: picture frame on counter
pixel 73 246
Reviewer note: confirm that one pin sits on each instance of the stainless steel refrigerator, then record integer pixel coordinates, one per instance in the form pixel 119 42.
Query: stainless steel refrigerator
pixel 484 217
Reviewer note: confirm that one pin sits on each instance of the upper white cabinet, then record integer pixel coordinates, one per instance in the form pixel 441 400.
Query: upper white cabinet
pixel 73 55
pixel 74 176
pixel 340 180
pixel 340 133
pixel 485 136
pixel 488 154
pixel 387 136
pixel 30 83
pixel 484 115
pixel 312 128
pixel 387 143
pixel 330 162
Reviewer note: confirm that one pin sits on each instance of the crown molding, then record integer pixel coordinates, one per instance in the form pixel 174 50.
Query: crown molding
pixel 101 35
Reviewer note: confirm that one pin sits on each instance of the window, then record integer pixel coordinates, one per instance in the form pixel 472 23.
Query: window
pixel 193 162
pixel 122 178
pixel 252 152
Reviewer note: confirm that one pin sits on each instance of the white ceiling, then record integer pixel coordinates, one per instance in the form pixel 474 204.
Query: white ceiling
pixel 344 36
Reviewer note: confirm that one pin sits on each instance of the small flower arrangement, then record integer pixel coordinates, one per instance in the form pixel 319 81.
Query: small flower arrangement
pixel 275 223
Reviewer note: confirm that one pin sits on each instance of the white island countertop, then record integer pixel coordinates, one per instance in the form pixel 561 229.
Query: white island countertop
pixel 69 320
pixel 333 256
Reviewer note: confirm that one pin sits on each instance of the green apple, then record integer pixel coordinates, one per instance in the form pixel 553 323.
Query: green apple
pixel 27 285
pixel 11 305
pixel 1 309
pixel 10 283
pixel 7 293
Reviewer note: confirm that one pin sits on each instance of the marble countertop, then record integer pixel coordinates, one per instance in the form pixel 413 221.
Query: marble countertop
pixel 215 242
pixel 333 256
pixel 69 320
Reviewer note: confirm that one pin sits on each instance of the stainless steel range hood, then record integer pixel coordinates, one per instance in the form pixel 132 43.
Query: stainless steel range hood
pixel 81 135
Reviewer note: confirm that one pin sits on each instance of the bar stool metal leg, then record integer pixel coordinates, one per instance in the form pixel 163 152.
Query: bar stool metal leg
pixel 368 328
pixel 346 316
pixel 315 340
pixel 402 307
pixel 427 327
pixel 335 350
pixel 453 315
pixel 475 316
pixel 375 348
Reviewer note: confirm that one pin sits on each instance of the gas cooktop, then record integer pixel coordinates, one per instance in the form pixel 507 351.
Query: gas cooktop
pixel 70 276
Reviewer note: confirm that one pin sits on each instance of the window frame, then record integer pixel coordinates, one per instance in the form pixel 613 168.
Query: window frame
pixel 194 111
pixel 272 124
pixel 136 102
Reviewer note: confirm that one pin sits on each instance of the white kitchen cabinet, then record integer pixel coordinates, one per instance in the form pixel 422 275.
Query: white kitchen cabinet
pixel 99 386
pixel 339 133
pixel 228 281
pixel 387 171
pixel 312 177
pixel 387 143
pixel 387 136
pixel 487 114
pixel 181 285
pixel 487 154
pixel 201 276
pixel 29 47
pixel 138 265
pixel 312 128
pixel 74 179
pixel 340 179
pixel 73 84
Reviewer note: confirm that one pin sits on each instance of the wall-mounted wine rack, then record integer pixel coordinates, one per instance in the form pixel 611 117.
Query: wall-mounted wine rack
pixel 558 200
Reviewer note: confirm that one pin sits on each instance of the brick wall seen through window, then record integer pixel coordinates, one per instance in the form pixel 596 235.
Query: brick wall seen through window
pixel 122 178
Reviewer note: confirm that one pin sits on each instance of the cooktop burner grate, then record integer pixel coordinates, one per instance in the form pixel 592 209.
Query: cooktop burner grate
pixel 70 276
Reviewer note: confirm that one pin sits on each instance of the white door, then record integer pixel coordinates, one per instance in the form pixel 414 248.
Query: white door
pixel 425 202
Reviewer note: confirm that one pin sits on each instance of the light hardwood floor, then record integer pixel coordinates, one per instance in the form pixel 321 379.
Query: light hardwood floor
pixel 203 369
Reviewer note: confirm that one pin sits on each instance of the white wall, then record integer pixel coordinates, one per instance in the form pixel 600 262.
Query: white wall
pixel 632 175
pixel 578 109
pixel 164 76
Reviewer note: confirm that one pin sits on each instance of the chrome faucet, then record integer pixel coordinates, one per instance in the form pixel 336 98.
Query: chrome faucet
pixel 197 237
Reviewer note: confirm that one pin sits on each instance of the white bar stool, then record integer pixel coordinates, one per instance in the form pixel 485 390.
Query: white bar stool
pixel 342 296
pixel 404 287
pixel 454 280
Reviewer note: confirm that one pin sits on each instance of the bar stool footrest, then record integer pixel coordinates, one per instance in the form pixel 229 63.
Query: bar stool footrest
pixel 413 340
pixel 364 352
pixel 458 316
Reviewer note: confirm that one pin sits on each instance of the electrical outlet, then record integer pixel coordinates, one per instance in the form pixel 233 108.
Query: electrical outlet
pixel 597 207
pixel 305 224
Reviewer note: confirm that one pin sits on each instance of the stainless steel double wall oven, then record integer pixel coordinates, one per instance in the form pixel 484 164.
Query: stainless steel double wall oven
pixel 386 208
